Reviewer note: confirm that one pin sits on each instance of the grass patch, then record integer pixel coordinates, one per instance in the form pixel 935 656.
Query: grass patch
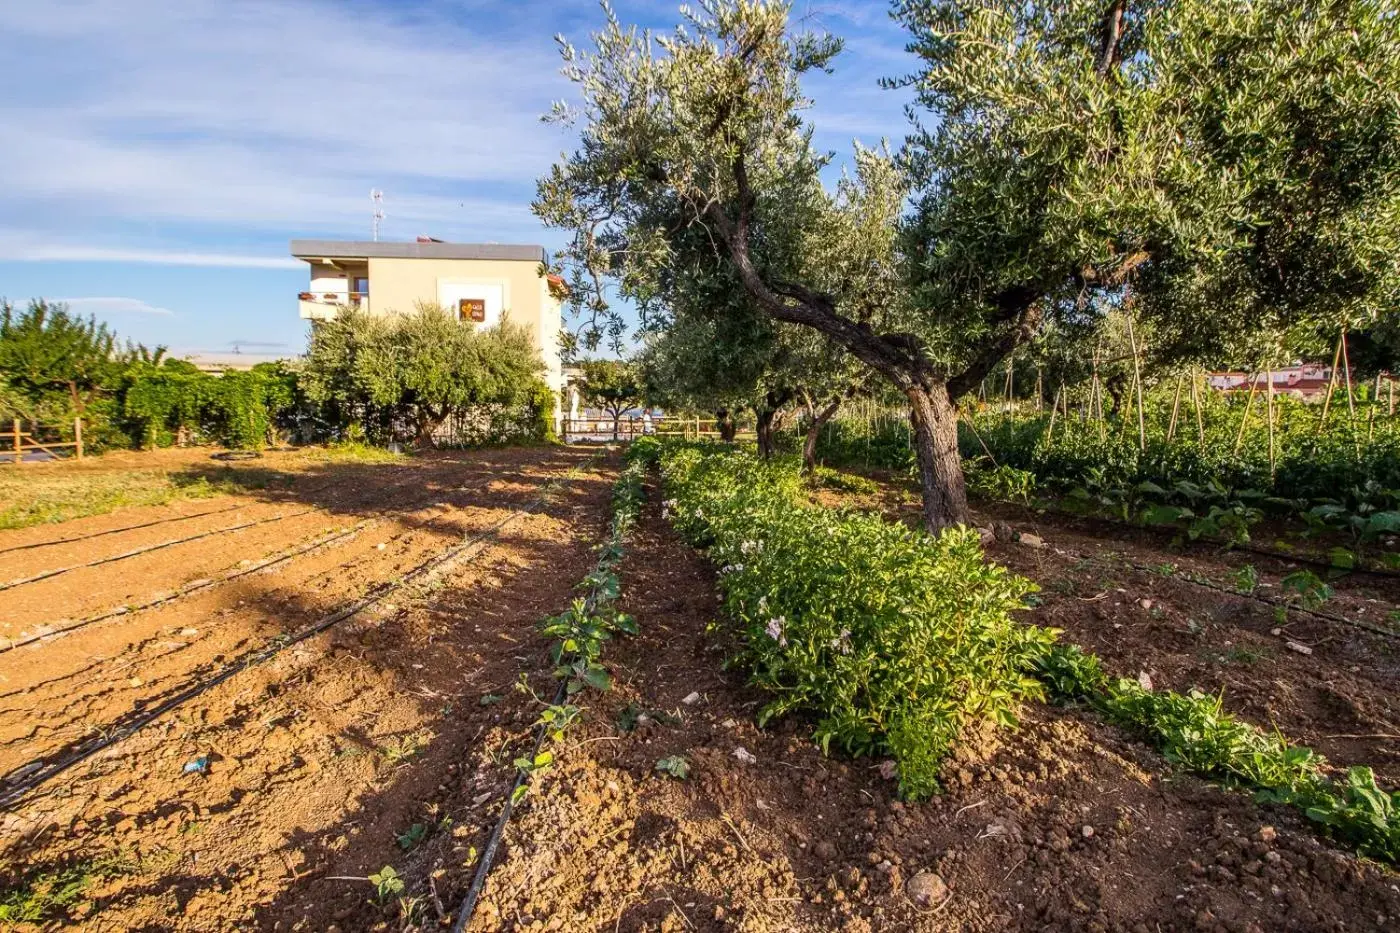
pixel 49 499
pixel 353 452
pixel 49 894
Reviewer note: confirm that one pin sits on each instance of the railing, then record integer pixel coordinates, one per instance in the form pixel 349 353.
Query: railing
pixel 349 299
pixel 22 442
pixel 630 427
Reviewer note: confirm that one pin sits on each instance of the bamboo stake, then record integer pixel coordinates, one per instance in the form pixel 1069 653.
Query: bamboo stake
pixel 1351 404
pixel 1137 382
pixel 1054 413
pixel 1371 418
pixel 1248 406
pixel 1269 374
pixel 1176 407
pixel 1039 389
pixel 1331 384
pixel 1200 418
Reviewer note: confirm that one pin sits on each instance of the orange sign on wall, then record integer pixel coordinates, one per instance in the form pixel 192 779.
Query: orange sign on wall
pixel 471 309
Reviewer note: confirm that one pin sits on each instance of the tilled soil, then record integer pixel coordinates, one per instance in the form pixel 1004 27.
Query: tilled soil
pixel 232 809
pixel 1062 824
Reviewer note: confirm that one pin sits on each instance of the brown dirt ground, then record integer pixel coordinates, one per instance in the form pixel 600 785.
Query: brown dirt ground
pixel 1063 824
pixel 319 759
pixel 1341 699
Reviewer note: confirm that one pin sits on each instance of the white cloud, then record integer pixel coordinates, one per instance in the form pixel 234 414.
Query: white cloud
pixel 268 116
pixel 104 306
pixel 16 250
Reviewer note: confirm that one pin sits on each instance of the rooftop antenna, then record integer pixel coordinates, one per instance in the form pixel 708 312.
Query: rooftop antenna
pixel 377 197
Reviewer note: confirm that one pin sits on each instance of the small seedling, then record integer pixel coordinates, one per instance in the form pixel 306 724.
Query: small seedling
pixel 674 765
pixel 1245 579
pixel 387 884
pixel 490 699
pixel 405 748
pixel 1308 589
pixel 412 836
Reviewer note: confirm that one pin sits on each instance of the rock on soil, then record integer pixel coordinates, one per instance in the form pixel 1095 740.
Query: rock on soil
pixel 926 889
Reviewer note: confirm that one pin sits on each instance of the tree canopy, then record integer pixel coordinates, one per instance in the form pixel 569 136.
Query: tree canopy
pixel 417 370
pixel 1224 170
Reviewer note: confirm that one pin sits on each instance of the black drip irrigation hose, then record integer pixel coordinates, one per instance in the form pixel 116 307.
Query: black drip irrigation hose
pixel 188 589
pixel 35 774
pixel 488 855
pixel 47 574
pixel 1230 591
pixel 113 531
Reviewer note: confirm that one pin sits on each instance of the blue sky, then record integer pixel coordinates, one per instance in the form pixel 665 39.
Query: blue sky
pixel 161 153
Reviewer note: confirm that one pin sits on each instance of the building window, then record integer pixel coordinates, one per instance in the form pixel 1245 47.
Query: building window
pixel 471 309
pixel 361 285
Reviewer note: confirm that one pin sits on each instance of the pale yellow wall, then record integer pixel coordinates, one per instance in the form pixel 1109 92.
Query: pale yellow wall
pixel 395 285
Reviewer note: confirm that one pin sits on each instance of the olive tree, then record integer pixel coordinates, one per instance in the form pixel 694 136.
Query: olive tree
pixel 417 369
pixel 1219 166
pixel 615 386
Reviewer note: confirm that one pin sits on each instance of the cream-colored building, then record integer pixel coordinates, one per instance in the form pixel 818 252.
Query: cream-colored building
pixel 482 283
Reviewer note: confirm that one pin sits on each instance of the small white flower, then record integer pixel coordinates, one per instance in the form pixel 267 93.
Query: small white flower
pixel 775 630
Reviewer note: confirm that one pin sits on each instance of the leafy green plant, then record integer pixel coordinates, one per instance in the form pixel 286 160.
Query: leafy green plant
pixel 1307 589
pixel 387 884
pixel 674 765
pixel 410 837
pixel 1245 579
pixel 892 638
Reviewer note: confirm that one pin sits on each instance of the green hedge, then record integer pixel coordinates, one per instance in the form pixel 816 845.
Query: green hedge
pixel 892 639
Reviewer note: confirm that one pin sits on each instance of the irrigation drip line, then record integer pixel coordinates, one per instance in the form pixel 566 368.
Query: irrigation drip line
pixel 35 774
pixel 184 591
pixel 488 855
pixel 47 574
pixel 1230 591
pixel 200 585
pixel 113 531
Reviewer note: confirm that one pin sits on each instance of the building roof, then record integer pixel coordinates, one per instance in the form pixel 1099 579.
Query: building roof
pixel 364 249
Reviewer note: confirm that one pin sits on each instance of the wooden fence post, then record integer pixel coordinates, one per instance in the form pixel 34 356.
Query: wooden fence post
pixel 19 448
pixel 78 436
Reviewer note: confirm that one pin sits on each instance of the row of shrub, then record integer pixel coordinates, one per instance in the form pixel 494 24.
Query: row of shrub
pixel 893 640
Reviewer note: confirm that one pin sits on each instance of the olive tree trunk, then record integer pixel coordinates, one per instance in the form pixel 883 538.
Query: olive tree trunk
pixel 935 422
pixel 814 430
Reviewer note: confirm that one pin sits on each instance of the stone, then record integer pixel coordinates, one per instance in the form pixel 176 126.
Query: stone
pixel 1030 540
pixel 926 889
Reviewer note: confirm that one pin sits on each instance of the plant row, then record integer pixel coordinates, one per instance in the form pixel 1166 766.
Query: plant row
pixel 1195 733
pixel 581 632
pixel 890 638
pixel 894 640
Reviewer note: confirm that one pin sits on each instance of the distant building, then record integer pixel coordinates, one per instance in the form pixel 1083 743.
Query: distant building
pixel 225 362
pixel 1307 382
pixel 481 283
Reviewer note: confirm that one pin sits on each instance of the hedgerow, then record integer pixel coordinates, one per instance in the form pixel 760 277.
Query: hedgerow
pixel 892 639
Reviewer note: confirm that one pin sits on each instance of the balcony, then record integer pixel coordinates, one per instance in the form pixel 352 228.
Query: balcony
pixel 322 306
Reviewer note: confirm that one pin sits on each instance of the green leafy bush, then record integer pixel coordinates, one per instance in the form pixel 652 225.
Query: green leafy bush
pixel 891 638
